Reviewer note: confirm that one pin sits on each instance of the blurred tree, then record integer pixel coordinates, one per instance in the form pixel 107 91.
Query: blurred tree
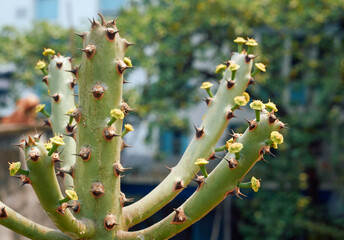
pixel 180 42
pixel 25 47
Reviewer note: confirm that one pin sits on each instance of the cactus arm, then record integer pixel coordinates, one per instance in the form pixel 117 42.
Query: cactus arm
pixel 26 227
pixel 100 79
pixel 214 124
pixel 218 185
pixel 60 84
pixel 44 182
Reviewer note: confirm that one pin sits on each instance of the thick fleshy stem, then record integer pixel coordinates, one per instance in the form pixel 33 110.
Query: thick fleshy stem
pixel 28 228
pixel 212 193
pixel 202 146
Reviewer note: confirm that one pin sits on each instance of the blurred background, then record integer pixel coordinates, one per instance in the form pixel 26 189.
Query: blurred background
pixel 178 45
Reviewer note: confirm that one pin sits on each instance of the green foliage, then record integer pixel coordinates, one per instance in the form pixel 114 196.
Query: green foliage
pixel 22 46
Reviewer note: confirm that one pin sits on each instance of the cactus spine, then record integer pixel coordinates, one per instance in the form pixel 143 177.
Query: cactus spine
pixel 94 207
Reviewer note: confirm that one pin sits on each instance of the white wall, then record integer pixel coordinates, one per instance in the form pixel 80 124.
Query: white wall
pixel 19 13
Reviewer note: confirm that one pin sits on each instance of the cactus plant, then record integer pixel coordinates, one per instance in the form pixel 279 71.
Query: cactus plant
pixel 89 139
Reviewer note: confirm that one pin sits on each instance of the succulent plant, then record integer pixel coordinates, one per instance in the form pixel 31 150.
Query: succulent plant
pixel 89 139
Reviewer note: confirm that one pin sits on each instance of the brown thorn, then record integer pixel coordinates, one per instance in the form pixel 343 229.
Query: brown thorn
pixel 3 213
pixel 85 153
pixel 110 222
pixel 62 209
pixel 90 50
pixel 230 115
pixel 124 200
pixel 45 80
pixel 124 145
pixel 249 57
pixel 230 84
pixel 59 65
pixel 82 35
pixel 179 217
pixel 110 34
pixel 251 81
pixel 213 156
pixel 56 97
pixel 47 122
pixel 103 20
pixel 109 133
pixel 232 162
pixel 97 190
pixel 199 180
pixel 127 44
pixel 31 141
pixel 252 125
pixel 199 132
pixel 118 169
pixel 207 100
pixel 98 91
pixel 75 206
pixel 33 155
pixel 178 186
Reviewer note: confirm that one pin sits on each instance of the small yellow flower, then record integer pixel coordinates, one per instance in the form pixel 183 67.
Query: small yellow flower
pixel 247 96
pixel 206 85
pixel 40 64
pixel 235 147
pixel 129 127
pixel 201 162
pixel 127 61
pixel 257 105
pixel 220 68
pixel 251 42
pixel 117 113
pixel 39 107
pixel 228 143
pixel 72 194
pixel 261 67
pixel 271 106
pixel 57 140
pixel 48 51
pixel 14 168
pixel 240 100
pixel 70 111
pixel 48 146
pixel 234 67
pixel 240 40
pixel 276 137
pixel 255 184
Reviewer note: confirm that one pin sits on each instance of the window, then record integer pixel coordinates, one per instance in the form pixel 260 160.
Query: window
pixel 46 9
pixel 111 7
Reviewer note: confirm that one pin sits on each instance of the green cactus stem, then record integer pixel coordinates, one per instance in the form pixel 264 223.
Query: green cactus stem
pixel 220 183
pixel 26 227
pixel 99 125
pixel 214 123
pixel 60 81
pixel 45 185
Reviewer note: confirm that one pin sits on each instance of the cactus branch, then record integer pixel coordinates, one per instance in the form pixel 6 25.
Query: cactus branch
pixel 213 125
pixel 219 185
pixel 26 227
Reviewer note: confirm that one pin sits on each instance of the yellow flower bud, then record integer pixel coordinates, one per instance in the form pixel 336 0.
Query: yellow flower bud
pixel 117 114
pixel 14 168
pixel 240 100
pixel 261 67
pixel 235 147
pixel 40 64
pixel 127 61
pixel 72 194
pixel 220 68
pixel 129 127
pixel 201 162
pixel 271 106
pixel 39 107
pixel 255 184
pixel 234 67
pixel 240 40
pixel 57 140
pixel 257 105
pixel 251 42
pixel 48 51
pixel 276 137
pixel 206 85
